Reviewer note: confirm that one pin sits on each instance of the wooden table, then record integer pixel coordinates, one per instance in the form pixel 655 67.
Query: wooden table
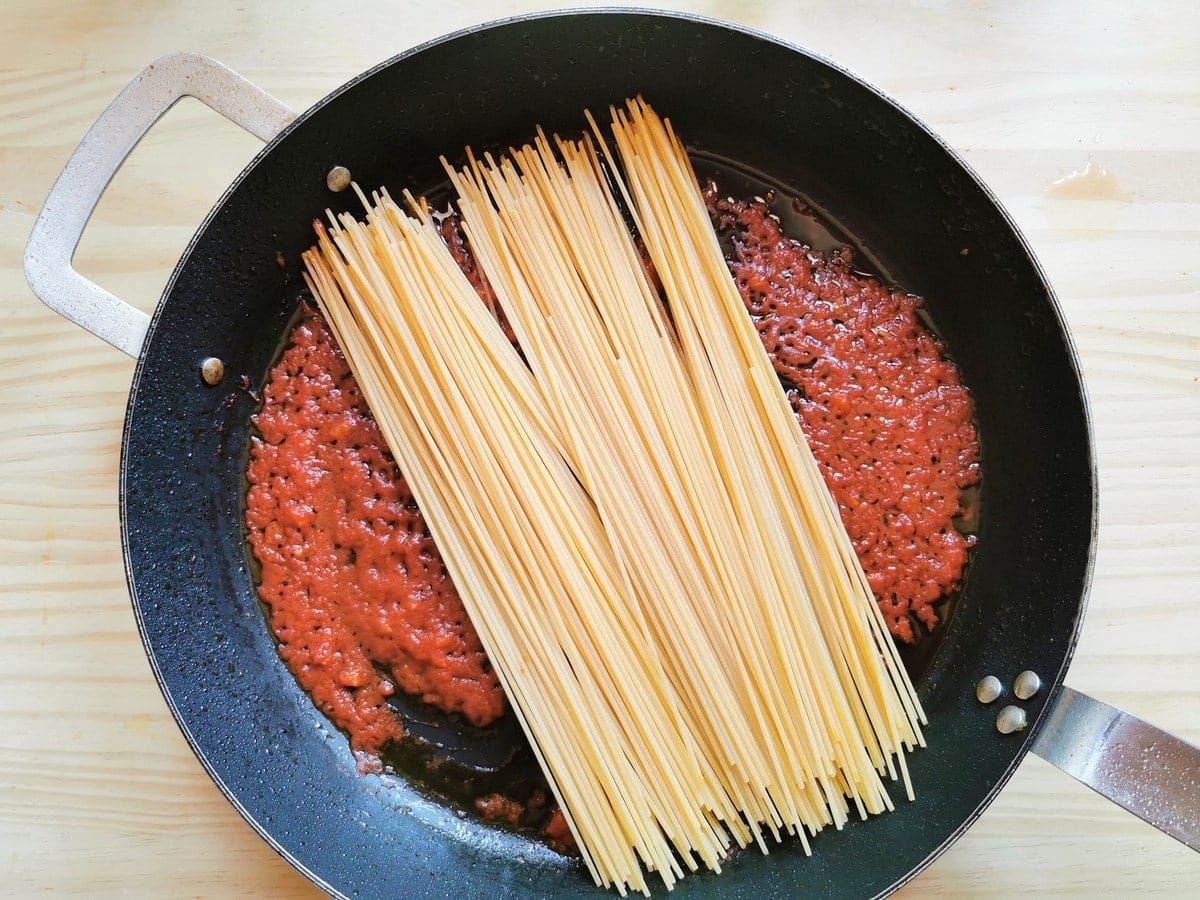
pixel 100 795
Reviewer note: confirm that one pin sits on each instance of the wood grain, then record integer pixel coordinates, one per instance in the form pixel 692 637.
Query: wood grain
pixel 99 794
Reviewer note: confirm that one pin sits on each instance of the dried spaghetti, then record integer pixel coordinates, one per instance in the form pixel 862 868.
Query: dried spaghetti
pixel 629 510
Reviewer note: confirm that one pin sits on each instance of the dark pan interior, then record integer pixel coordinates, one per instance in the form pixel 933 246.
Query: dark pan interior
pixel 880 175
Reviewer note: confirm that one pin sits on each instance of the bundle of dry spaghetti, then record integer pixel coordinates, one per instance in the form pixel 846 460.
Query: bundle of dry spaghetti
pixel 627 504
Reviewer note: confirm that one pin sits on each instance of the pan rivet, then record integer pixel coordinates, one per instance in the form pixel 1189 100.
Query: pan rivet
pixel 988 689
pixel 338 178
pixel 212 370
pixel 1027 685
pixel 1010 719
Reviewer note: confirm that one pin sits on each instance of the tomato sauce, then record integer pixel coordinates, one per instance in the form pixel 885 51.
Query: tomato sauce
pixel 557 834
pixel 883 409
pixel 500 808
pixel 356 592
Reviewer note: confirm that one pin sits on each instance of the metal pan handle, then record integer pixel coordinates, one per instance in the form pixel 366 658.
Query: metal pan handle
pixel 59 226
pixel 1154 775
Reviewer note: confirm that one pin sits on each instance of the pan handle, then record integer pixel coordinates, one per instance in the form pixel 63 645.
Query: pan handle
pixel 59 226
pixel 1154 775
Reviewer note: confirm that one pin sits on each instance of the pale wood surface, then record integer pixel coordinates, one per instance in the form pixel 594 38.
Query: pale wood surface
pixel 99 794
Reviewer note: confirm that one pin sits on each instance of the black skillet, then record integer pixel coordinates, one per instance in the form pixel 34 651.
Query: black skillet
pixel 878 176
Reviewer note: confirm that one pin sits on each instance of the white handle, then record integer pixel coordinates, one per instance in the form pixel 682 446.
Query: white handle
pixel 71 201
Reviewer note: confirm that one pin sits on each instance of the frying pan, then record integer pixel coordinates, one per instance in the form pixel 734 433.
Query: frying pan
pixel 877 175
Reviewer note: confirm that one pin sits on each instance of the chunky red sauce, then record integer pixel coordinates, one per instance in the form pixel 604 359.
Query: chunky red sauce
pixel 557 833
pixel 358 596
pixel 500 808
pixel 884 411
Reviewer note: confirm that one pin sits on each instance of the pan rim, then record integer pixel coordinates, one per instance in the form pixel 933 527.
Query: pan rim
pixel 1025 740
